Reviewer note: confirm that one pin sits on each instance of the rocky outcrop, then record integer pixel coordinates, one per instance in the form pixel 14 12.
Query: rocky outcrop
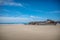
pixel 43 22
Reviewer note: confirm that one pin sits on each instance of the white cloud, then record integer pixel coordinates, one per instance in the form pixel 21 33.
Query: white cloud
pixel 13 19
pixel 13 4
pixel 2 1
pixel 53 12
pixel 10 3
pixel 20 19
pixel 5 10
pixel 35 16
pixel 41 11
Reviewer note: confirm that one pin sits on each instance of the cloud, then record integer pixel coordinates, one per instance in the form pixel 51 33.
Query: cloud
pixel 53 12
pixel 2 1
pixel 10 3
pixel 20 19
pixel 13 4
pixel 35 16
pixel 13 19
pixel 5 10
pixel 47 11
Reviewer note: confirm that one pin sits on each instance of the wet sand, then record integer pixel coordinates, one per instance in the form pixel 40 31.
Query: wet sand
pixel 29 32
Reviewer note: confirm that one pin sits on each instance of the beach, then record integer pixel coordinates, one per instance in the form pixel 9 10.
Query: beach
pixel 29 32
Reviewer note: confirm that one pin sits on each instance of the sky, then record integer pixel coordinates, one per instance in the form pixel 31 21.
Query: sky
pixel 29 10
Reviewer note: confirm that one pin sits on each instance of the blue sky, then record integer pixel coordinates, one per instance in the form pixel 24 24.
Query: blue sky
pixel 29 10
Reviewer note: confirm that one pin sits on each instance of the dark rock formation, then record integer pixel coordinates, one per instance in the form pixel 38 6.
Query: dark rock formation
pixel 43 22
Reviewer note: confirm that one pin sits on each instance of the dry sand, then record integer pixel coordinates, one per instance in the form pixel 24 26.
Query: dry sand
pixel 29 32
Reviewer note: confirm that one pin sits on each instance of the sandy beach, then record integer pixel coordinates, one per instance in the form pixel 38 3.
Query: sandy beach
pixel 29 32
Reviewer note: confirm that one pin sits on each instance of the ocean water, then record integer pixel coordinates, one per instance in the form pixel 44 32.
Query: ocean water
pixel 13 22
